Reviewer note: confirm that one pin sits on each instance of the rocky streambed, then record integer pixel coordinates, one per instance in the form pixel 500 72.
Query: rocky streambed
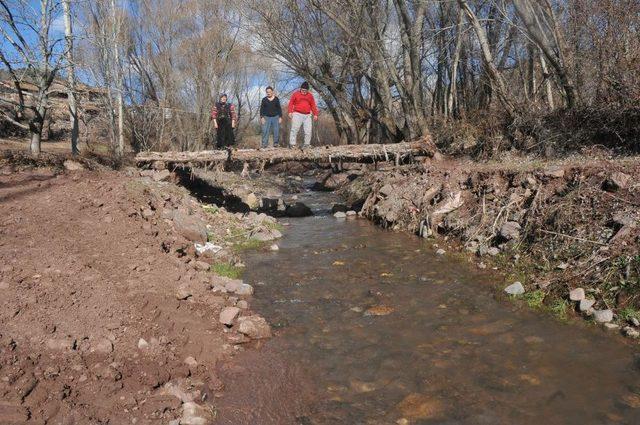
pixel 565 235
pixel 380 327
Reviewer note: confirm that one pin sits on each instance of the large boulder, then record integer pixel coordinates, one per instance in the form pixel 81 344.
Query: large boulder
pixel 339 208
pixel 255 327
pixel 190 226
pixel 252 201
pixel 298 210
pixel 336 181
pixel 228 315
pixel 616 181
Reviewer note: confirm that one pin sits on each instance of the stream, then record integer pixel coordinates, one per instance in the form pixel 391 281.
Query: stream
pixel 392 333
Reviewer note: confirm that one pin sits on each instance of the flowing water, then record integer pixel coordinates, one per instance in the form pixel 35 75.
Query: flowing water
pixel 393 333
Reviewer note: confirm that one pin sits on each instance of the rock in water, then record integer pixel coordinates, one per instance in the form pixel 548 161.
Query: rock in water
pixel 255 327
pixel 266 235
pixel 298 210
pixel 440 252
pixel 340 214
pixel 228 315
pixel 339 208
pixel 603 316
pixel 231 285
pixel 577 294
pixel 515 288
pixel 244 289
pixel 379 310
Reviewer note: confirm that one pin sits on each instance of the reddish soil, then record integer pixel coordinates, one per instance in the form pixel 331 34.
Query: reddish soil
pixel 83 278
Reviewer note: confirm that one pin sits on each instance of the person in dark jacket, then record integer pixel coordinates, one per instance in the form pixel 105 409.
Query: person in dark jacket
pixel 270 117
pixel 224 120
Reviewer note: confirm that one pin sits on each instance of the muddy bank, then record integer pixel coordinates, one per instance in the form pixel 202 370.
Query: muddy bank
pixel 109 312
pixel 557 228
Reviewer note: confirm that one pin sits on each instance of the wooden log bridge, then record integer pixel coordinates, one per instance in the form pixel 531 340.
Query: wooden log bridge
pixel 397 152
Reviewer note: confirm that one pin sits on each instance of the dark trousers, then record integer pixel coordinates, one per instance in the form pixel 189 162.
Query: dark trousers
pixel 225 136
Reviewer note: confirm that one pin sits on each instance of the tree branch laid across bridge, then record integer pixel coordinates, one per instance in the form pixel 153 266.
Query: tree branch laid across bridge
pixel 323 154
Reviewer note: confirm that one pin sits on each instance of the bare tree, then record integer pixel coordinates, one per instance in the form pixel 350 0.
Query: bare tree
pixel 30 55
pixel 71 77
pixel 496 78
pixel 541 25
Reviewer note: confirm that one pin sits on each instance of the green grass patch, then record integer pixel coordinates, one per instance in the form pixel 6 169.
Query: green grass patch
pixel 534 299
pixel 273 225
pixel 247 244
pixel 211 209
pixel 628 313
pixel 227 270
pixel 559 308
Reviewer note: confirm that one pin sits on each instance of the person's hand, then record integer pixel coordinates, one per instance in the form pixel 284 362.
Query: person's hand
pixel 280 120
pixel 315 118
pixel 233 124
pixel 262 120
pixel 215 125
pixel 290 115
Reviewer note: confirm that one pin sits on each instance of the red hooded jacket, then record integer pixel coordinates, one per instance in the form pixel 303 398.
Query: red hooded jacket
pixel 303 103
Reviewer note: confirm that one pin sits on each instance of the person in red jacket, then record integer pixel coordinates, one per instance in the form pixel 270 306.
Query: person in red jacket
pixel 301 107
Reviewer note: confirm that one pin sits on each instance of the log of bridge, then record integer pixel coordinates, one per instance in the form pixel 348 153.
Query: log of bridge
pixel 323 154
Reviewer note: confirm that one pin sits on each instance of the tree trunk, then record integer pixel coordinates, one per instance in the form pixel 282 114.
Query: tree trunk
pixel 547 82
pixel 531 71
pixel 493 73
pixel 119 86
pixel 34 147
pixel 451 95
pixel 71 78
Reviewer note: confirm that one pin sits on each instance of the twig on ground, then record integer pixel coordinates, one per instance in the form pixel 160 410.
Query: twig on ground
pixel 571 237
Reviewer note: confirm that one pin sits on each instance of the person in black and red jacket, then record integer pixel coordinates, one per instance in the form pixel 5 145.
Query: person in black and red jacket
pixel 224 119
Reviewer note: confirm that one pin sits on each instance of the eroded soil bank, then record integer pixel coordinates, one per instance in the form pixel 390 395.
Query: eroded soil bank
pixel 108 314
pixel 555 227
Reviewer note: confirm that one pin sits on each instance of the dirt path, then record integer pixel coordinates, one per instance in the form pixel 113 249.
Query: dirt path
pixel 91 328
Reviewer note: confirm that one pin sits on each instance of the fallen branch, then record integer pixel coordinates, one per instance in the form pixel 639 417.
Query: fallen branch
pixel 343 153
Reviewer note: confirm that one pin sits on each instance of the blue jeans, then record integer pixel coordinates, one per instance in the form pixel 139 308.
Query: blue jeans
pixel 270 124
